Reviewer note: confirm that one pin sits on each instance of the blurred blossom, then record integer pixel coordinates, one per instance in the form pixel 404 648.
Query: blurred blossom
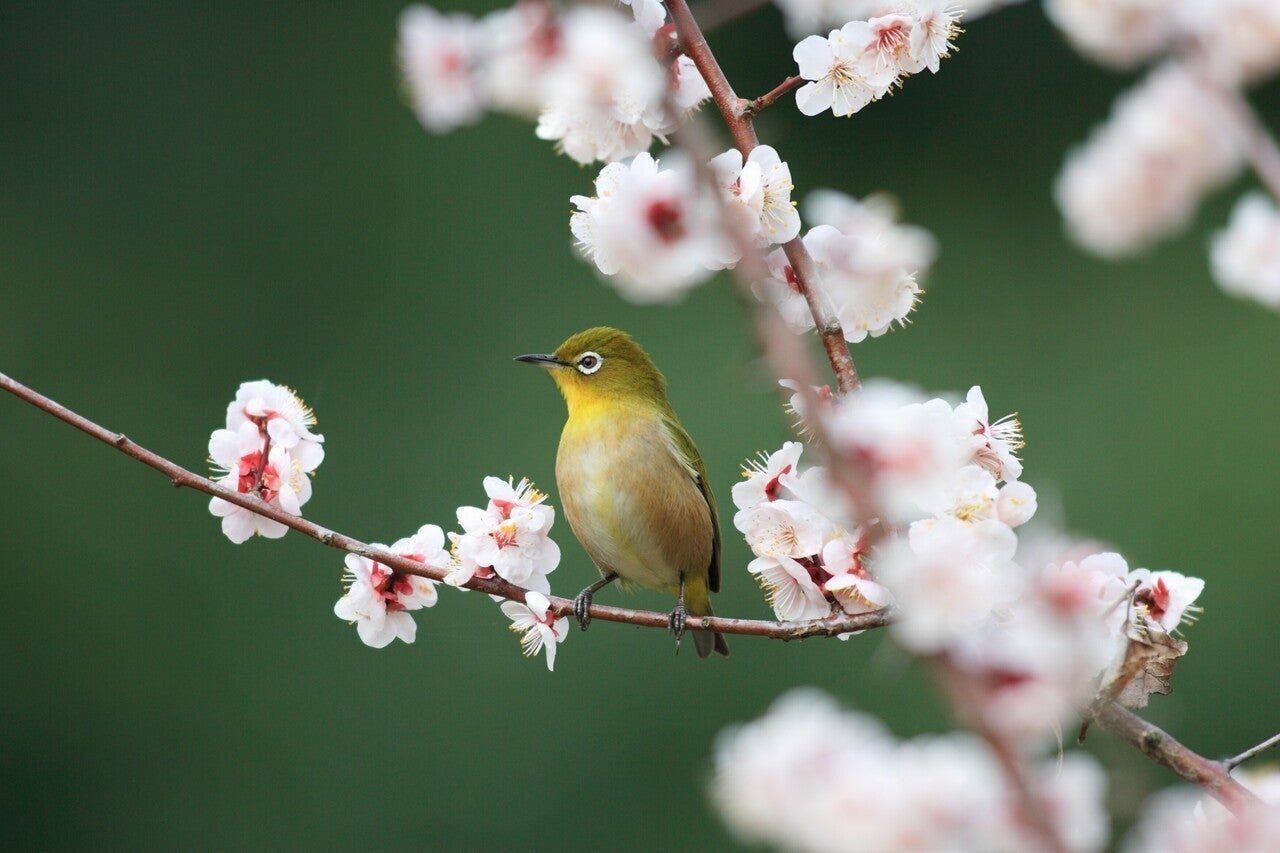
pixel 1239 40
pixel 652 227
pixel 1246 256
pixel 808 776
pixel 538 627
pixel 908 446
pixel 509 538
pixel 1120 33
pixel 521 44
pixel 948 578
pixel 438 54
pixel 1140 176
pixel 603 97
pixel 873 222
pixel 379 599
pixel 1186 820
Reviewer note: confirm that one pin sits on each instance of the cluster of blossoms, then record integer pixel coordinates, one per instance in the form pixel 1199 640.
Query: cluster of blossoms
pixel 509 539
pixel 1176 137
pixel 863 60
pixel 1036 632
pixel 809 776
pixel 267 449
pixel 601 86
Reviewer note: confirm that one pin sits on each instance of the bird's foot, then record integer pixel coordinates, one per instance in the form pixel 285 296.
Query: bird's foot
pixel 582 607
pixel 677 619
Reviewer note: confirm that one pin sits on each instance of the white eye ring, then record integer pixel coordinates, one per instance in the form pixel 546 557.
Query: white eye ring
pixel 588 363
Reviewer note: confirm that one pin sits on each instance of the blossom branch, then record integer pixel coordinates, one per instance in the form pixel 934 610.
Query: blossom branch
pixel 737 116
pixel 1232 763
pixel 183 478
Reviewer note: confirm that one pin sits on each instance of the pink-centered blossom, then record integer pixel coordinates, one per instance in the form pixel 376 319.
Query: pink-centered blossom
pixel 757 193
pixel 243 463
pixel 652 228
pixel 379 599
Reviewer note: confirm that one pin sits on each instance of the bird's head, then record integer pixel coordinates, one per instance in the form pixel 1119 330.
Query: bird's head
pixel 602 365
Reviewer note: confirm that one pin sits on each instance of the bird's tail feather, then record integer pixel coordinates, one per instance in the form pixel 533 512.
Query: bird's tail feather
pixel 707 642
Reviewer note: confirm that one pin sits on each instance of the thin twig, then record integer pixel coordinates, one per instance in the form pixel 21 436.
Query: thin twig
pixel 768 99
pixel 736 115
pixel 1270 742
pixel 181 477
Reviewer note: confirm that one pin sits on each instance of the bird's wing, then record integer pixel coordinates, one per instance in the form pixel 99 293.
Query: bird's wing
pixel 686 453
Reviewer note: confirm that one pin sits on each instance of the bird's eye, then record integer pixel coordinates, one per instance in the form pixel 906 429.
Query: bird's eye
pixel 588 363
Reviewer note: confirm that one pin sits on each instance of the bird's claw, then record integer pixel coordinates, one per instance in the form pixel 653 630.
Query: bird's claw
pixel 582 608
pixel 677 619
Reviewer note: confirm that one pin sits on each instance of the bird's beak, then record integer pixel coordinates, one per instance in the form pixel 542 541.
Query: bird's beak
pixel 544 360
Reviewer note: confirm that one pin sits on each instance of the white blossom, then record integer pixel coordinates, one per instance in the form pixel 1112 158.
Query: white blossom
pixel 758 193
pixel 651 227
pixel 873 223
pixel 1141 175
pixel 995 444
pixel 843 73
pixel 1185 820
pixel 379 599
pixel 537 625
pixel 508 538
pixel 437 56
pixel 768 477
pixel 936 23
pixel 1166 598
pixel 1246 256
pixel 279 413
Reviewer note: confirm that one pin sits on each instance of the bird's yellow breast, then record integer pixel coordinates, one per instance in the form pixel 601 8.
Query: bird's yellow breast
pixel 629 499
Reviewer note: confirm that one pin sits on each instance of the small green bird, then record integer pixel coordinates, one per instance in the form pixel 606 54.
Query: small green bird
pixel 631 481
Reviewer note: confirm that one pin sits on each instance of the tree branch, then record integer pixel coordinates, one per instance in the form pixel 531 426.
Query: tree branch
pixel 1158 745
pixel 1232 763
pixel 1163 749
pixel 737 117
pixel 181 477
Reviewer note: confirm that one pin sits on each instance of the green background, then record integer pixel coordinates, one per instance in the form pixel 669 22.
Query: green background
pixel 195 194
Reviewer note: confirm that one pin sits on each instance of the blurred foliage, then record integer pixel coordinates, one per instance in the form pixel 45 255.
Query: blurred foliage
pixel 192 195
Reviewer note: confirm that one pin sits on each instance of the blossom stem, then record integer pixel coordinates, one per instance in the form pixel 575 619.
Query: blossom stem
pixel 181 477
pixel 737 117
pixel 1260 145
pixel 1252 751
pixel 768 99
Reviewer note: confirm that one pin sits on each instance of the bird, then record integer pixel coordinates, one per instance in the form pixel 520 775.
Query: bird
pixel 632 483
